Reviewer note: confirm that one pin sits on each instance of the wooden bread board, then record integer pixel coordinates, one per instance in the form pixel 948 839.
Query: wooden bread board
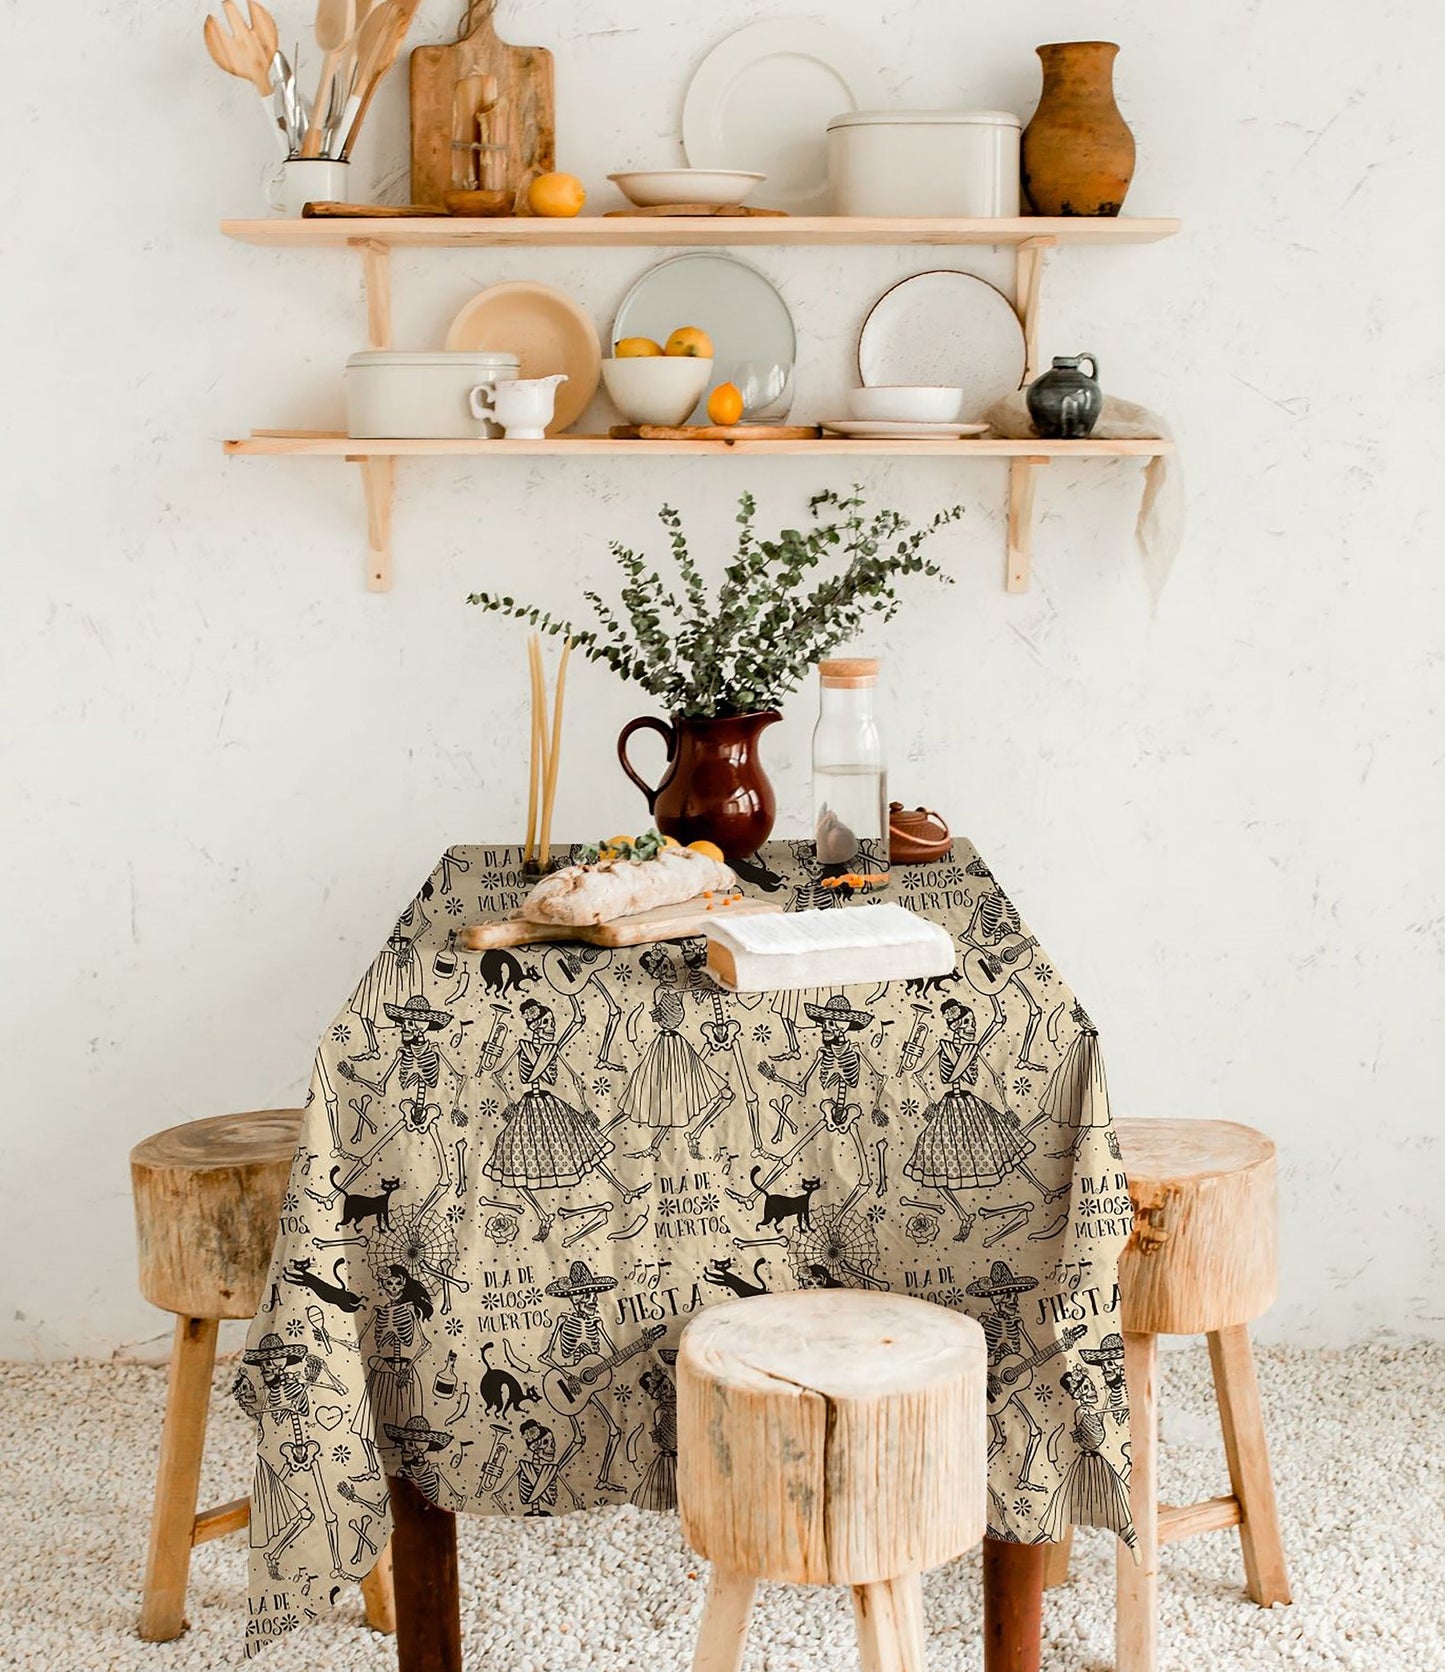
pixel 688 917
pixel 446 86
pixel 714 432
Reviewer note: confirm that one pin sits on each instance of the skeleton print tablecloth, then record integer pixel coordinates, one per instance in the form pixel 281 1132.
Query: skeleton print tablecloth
pixel 520 1173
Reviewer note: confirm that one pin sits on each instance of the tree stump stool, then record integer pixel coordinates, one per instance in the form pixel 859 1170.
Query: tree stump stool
pixel 1202 1261
pixel 830 1438
pixel 207 1206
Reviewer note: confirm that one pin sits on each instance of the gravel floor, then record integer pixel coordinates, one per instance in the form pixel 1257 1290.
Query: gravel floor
pixel 1359 1462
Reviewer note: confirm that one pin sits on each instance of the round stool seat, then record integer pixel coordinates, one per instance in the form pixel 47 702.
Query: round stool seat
pixel 207 1200
pixel 831 1437
pixel 1204 1252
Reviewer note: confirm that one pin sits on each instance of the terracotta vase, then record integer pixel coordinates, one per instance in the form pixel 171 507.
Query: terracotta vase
pixel 1078 152
pixel 714 788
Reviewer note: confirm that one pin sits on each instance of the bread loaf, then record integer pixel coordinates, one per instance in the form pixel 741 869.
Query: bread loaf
pixel 621 887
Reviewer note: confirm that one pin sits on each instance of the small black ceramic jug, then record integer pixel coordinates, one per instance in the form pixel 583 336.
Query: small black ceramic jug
pixel 1065 403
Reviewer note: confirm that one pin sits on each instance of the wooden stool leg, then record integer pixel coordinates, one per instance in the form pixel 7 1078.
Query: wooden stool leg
pixel 379 1596
pixel 889 1619
pixel 428 1597
pixel 1013 1605
pixel 1056 1561
pixel 1136 1623
pixel 723 1634
pixel 178 1478
pixel 1236 1388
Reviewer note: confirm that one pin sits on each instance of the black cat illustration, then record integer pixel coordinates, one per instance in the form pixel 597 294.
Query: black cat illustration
pixel 932 983
pixel 502 971
pixel 778 1208
pixel 721 1272
pixel 334 1293
pixel 356 1208
pixel 500 1390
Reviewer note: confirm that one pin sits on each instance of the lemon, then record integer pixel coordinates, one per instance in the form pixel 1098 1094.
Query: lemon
pixel 636 348
pixel 556 195
pixel 690 340
pixel 725 404
pixel 709 850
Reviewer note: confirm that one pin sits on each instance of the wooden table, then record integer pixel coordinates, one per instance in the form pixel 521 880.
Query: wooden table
pixel 428 1603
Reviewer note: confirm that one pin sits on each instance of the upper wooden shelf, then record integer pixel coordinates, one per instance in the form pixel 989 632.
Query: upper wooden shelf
pixel 656 232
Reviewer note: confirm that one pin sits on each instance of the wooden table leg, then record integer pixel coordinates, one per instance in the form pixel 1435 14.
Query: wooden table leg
pixel 424 1568
pixel 1013 1605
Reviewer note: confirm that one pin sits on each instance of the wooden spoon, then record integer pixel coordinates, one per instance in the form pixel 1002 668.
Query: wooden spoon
pixel 335 25
pixel 247 51
pixel 397 16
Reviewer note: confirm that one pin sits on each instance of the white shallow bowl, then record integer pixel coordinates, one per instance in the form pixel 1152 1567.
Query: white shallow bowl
pixel 906 403
pixel 656 389
pixel 719 188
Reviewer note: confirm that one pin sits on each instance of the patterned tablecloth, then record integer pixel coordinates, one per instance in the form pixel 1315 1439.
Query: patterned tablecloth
pixel 521 1172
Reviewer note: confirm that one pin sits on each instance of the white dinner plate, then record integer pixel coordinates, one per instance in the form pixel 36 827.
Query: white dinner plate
pixel 879 429
pixel 548 333
pixel 762 100
pixel 754 344
pixel 945 327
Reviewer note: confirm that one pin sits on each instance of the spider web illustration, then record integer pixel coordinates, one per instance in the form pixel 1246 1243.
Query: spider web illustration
pixel 420 1240
pixel 841 1241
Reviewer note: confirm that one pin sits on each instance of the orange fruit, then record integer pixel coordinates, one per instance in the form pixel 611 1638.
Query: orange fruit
pixel 690 340
pixel 725 404
pixel 556 194
pixel 636 348
pixel 709 850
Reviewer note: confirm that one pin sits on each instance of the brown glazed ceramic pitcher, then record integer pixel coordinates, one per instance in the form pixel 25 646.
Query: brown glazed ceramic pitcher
pixel 714 789
pixel 1078 152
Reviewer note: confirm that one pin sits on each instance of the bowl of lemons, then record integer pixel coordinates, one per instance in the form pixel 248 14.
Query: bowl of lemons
pixel 659 383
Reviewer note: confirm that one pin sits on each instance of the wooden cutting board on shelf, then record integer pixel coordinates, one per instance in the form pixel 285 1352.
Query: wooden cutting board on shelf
pixel 446 87
pixel 714 432
pixel 690 917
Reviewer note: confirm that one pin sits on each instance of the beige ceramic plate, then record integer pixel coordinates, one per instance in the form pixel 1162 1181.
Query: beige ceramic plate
pixel 547 332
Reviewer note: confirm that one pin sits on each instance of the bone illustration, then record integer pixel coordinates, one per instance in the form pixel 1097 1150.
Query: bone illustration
pixel 1012 1218
pixel 591 1217
pixel 341 1242
pixel 780 1106
pixel 881 1149
pixel 461 1151
pixel 364 1540
pixel 359 1106
pixel 923 1207
pixel 760 1242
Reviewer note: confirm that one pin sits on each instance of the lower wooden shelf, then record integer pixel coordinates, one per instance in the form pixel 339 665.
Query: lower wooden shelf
pixel 377 460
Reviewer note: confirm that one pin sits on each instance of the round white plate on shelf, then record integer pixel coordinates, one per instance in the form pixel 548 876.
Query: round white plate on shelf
pixel 945 327
pixel 547 332
pixel 762 100
pixel 754 344
pixel 878 429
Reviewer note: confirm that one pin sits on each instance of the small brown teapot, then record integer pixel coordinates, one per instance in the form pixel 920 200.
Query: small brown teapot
pixel 916 836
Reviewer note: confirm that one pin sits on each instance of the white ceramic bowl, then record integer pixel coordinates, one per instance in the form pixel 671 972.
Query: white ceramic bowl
pixel 905 403
pixel 656 389
pixel 719 188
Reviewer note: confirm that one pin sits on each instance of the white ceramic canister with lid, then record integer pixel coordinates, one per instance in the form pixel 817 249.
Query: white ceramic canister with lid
pixel 393 394
pixel 961 163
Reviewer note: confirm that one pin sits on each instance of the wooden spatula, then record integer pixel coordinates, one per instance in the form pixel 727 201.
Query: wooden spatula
pixel 396 16
pixel 335 25
pixel 247 51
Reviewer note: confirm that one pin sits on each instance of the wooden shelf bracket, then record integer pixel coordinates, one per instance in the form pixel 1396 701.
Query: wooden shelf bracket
pixel 376 277
pixel 1029 258
pixel 1021 485
pixel 378 480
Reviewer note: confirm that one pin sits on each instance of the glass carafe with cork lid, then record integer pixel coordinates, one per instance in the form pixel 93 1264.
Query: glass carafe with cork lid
pixel 850 778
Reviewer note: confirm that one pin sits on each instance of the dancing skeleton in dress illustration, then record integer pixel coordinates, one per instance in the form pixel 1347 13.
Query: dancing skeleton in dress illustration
pixel 1092 1492
pixel 838 1064
pixel 658 1489
pixel 967 1144
pixel 538 1474
pixel 546 1144
pixel 672 1086
pixel 393 1385
pixel 392 978
pixel 418 1064
pixel 996 954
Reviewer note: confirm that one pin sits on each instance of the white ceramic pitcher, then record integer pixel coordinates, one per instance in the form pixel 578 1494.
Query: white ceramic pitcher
pixel 522 406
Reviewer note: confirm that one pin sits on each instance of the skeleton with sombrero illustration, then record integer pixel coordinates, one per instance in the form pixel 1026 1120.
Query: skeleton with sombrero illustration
pixel 279 1513
pixel 581 1356
pixel 1108 1359
pixel 838 1064
pixel 417 1440
pixel 967 1143
pixel 1012 1357
pixel 419 1064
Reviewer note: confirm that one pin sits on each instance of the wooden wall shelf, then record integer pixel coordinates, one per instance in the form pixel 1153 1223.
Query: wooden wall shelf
pixel 597 231
pixel 1030 238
